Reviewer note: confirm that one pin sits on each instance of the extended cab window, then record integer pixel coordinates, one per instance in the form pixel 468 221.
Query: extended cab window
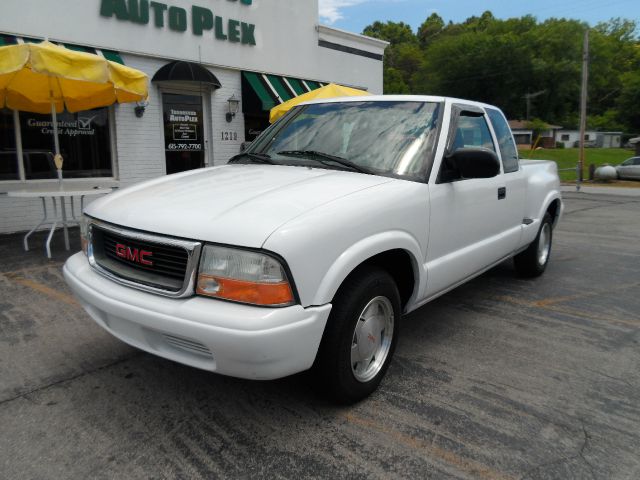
pixel 508 149
pixel 472 132
pixel 469 132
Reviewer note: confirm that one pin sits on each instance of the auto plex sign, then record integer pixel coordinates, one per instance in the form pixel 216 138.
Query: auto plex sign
pixel 202 20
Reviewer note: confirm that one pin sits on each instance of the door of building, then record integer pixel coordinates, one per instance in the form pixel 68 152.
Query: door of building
pixel 184 129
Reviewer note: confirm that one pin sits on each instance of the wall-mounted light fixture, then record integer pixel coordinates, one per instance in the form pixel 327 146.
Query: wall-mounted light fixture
pixel 234 105
pixel 140 108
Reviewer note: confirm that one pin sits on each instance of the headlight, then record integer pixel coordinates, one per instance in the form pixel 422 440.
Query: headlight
pixel 84 233
pixel 243 276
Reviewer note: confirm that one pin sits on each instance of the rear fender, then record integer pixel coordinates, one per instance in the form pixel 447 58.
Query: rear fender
pixel 530 231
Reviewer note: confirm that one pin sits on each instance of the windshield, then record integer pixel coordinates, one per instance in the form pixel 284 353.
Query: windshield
pixel 387 138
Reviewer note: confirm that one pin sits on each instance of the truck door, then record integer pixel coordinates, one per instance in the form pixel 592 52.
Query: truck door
pixel 514 179
pixel 472 223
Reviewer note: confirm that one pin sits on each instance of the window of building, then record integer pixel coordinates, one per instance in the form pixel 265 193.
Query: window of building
pixel 586 137
pixel 564 137
pixel 8 156
pixel 85 145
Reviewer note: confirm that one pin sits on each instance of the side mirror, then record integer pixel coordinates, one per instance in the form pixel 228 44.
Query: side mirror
pixel 465 163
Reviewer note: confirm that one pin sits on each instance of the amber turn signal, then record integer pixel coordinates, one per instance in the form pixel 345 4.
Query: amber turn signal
pixel 246 292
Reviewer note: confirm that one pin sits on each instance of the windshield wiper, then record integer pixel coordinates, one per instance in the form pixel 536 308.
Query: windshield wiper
pixel 254 157
pixel 323 158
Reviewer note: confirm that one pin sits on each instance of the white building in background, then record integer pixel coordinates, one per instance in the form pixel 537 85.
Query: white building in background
pixel 592 138
pixel 524 134
pixel 217 68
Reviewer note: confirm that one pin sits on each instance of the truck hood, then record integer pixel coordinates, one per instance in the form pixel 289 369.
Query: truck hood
pixel 232 204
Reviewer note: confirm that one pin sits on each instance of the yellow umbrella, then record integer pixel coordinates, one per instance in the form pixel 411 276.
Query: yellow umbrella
pixel 328 91
pixel 47 78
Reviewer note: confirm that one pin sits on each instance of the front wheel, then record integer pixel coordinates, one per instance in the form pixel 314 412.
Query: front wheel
pixel 360 337
pixel 533 261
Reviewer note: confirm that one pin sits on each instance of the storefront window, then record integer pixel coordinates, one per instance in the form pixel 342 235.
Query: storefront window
pixel 84 144
pixel 8 158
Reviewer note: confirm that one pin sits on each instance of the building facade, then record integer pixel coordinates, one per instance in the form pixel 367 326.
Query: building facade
pixel 524 134
pixel 592 138
pixel 216 69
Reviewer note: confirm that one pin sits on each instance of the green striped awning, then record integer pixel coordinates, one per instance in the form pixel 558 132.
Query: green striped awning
pixel 273 90
pixel 112 55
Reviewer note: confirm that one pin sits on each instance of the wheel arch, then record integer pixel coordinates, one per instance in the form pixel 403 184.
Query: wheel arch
pixel 555 209
pixel 395 252
pixel 551 203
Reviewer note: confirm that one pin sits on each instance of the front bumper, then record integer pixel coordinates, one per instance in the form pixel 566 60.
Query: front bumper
pixel 228 338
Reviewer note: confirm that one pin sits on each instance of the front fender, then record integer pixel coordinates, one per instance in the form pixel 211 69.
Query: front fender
pixel 363 250
pixel 325 244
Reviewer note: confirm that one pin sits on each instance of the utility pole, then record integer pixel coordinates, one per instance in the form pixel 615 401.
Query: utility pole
pixel 583 106
pixel 528 97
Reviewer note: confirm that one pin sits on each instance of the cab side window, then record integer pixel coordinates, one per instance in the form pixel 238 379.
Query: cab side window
pixel 472 132
pixel 508 149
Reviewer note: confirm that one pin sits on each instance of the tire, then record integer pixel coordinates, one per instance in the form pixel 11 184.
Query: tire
pixel 533 261
pixel 360 336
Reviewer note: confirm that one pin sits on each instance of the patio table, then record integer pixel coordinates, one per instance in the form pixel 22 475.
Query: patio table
pixel 59 217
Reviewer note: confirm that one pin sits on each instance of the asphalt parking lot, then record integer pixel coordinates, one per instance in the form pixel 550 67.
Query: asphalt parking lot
pixel 500 379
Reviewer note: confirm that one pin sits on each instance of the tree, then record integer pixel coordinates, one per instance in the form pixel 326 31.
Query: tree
pixel 394 32
pixel 538 127
pixel 402 57
pixel 431 27
pixel 500 61
pixel 629 99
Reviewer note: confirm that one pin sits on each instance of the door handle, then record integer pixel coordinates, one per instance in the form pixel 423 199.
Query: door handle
pixel 502 193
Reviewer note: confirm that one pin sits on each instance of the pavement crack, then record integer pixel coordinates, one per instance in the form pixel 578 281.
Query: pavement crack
pixel 585 445
pixel 618 379
pixel 25 395
pixel 580 455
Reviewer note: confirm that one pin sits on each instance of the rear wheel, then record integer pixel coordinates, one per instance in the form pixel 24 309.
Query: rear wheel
pixel 533 261
pixel 360 336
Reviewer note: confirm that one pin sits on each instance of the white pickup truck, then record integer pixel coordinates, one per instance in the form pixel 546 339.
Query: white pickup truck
pixel 305 251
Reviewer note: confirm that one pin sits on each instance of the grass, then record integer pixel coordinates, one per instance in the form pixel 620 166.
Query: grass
pixel 568 158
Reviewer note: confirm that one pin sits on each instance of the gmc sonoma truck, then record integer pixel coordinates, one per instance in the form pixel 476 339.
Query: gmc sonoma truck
pixel 304 251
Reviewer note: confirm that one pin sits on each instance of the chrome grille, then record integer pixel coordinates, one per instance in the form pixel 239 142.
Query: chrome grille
pixel 166 260
pixel 145 261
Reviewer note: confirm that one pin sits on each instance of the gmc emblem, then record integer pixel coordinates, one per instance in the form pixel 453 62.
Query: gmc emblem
pixel 134 254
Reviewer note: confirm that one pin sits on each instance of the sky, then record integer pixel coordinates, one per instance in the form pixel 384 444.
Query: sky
pixel 354 15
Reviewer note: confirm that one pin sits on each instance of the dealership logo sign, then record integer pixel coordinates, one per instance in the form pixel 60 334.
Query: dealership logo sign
pixel 201 19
